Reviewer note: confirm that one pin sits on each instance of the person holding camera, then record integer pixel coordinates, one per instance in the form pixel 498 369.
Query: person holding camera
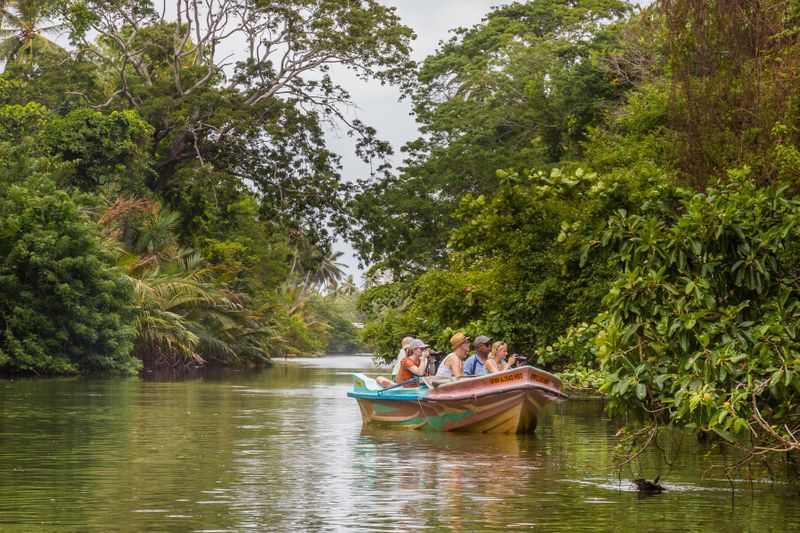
pixel 496 360
pixel 414 364
pixel 453 364
pixel 400 356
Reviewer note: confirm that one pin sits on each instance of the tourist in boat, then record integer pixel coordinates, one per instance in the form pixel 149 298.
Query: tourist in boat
pixel 496 360
pixel 400 356
pixel 415 363
pixel 474 365
pixel 453 364
pixel 386 382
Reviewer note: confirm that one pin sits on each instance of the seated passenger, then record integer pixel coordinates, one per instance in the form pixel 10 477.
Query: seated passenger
pixel 453 364
pixel 400 356
pixel 496 360
pixel 414 364
pixel 473 366
pixel 386 382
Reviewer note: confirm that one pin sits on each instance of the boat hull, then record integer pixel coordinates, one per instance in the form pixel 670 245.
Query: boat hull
pixel 507 402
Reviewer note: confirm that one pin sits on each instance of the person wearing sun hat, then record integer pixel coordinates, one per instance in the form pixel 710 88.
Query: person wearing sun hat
pixel 415 364
pixel 402 355
pixel 473 366
pixel 453 364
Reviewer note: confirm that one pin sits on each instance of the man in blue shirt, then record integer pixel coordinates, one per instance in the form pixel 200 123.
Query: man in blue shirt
pixel 473 366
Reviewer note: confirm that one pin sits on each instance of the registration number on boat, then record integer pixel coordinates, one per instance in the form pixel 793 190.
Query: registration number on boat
pixel 508 377
pixel 540 379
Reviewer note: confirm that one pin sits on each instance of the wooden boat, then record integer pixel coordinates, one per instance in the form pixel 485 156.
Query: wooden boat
pixel 505 402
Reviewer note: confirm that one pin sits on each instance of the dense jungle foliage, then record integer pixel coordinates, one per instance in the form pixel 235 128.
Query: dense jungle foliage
pixel 166 204
pixel 612 189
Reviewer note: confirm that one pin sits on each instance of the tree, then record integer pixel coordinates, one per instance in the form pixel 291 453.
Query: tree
pixel 23 30
pixel 328 273
pixel 734 66
pixel 183 311
pixel 63 305
pixel 107 151
pixel 256 116
pixel 701 330
pixel 348 288
pixel 104 152
pixel 340 312
pixel 517 91
pixel 294 316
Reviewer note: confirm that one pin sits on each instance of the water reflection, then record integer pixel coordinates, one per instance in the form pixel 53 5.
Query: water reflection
pixel 284 449
pixel 436 476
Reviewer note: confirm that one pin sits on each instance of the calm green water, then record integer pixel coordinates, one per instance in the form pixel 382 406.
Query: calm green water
pixel 284 450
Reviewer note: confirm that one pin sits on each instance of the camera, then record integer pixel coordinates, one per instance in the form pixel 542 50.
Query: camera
pixel 521 359
pixel 435 358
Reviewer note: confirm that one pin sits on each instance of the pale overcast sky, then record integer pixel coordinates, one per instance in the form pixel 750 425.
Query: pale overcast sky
pixel 379 106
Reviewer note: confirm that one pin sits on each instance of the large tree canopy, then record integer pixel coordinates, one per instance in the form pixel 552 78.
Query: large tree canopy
pixel 244 86
pixel 516 91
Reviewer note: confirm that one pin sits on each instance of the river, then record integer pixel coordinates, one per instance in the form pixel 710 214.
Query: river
pixel 283 449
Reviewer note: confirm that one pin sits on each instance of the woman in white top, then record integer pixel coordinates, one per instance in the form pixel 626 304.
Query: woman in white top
pixel 453 364
pixel 496 361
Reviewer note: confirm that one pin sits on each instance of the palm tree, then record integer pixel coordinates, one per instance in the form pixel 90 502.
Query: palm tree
pixel 4 4
pixel 23 26
pixel 183 312
pixel 297 328
pixel 349 287
pixel 329 271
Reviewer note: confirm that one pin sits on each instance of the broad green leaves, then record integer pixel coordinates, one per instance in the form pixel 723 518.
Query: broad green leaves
pixel 63 306
pixel 707 302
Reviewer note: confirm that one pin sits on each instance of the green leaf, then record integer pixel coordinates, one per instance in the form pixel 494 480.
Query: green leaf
pixel 724 434
pixel 584 255
pixel 641 391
